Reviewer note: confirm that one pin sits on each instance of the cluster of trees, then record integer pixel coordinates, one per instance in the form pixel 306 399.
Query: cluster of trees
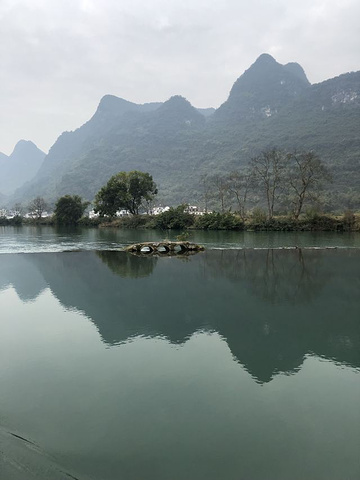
pixel 285 181
pixel 277 180
pixel 68 209
pixel 130 191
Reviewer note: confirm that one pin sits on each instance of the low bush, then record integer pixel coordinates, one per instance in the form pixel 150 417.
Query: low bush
pixel 349 220
pixel 219 221
pixel 90 222
pixel 321 222
pixel 175 219
pixel 258 216
pixel 15 221
pixel 131 221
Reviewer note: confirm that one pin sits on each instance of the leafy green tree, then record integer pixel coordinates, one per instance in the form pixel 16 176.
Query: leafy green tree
pixel 125 190
pixel 69 209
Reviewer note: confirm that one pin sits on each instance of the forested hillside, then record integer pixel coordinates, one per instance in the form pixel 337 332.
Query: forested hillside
pixel 270 105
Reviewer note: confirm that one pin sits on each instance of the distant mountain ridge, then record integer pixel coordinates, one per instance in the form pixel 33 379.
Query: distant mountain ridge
pixel 19 167
pixel 269 105
pixel 263 89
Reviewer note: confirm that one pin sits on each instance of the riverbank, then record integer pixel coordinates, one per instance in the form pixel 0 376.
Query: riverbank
pixel 231 222
pixel 176 220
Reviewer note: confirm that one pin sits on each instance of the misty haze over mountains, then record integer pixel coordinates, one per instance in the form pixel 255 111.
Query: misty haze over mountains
pixel 270 105
pixel 20 166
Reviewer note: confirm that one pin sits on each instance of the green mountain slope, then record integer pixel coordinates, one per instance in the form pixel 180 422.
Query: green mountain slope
pixel 269 105
pixel 262 91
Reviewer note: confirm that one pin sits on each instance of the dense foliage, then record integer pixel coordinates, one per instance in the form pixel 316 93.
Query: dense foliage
pixel 219 221
pixel 69 209
pixel 175 218
pixel 15 221
pixel 125 190
pixel 178 219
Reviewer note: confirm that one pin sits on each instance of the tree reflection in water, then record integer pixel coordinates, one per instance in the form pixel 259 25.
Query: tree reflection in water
pixel 273 307
pixel 127 265
pixel 274 275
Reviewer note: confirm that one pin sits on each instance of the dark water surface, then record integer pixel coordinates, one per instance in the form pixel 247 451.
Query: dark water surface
pixel 32 239
pixel 229 364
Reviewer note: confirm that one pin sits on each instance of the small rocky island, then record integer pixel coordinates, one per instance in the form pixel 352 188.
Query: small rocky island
pixel 164 248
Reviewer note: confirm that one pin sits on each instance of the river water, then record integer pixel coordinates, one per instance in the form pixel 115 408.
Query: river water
pixel 240 362
pixel 32 239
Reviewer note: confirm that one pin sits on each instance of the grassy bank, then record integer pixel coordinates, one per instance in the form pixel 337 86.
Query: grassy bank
pixel 348 222
pixel 179 220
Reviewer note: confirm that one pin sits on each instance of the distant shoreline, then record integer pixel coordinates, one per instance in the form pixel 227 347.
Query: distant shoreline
pixel 348 222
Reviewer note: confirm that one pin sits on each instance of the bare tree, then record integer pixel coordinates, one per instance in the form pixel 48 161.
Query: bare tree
pixel 239 184
pixel 37 206
pixel 206 190
pixel 18 209
pixel 268 170
pixel 220 190
pixel 306 174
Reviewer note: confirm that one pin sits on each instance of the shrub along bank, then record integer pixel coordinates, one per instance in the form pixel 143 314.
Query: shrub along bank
pixel 177 219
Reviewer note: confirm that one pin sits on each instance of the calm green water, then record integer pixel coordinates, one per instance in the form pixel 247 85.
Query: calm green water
pixel 229 364
pixel 49 239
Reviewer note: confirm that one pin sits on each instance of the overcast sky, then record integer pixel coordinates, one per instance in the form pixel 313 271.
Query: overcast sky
pixel 59 57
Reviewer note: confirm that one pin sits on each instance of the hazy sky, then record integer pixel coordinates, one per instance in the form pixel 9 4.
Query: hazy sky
pixel 59 57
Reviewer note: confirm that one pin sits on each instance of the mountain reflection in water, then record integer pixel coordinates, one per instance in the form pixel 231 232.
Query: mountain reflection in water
pixel 273 307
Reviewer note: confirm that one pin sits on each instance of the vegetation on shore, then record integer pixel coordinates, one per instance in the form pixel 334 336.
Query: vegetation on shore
pixel 278 191
pixel 69 209
pixel 176 219
pixel 270 105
